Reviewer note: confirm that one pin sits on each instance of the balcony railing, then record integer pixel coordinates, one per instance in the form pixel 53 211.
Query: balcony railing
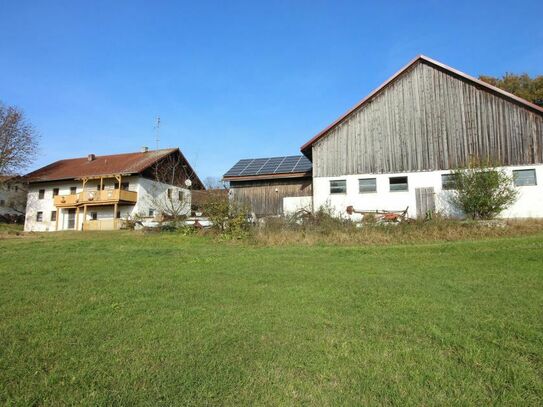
pixel 107 196
pixel 104 224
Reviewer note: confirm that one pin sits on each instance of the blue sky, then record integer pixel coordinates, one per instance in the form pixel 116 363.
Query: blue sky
pixel 231 79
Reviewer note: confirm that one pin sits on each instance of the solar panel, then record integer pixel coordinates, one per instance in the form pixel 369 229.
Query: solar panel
pixel 269 166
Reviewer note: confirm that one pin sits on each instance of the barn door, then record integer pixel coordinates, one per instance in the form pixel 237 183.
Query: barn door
pixel 426 204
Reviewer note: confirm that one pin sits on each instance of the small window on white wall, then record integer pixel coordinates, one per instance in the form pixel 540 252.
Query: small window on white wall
pixel 398 184
pixel 151 212
pixel 39 217
pixel 448 181
pixel 338 186
pixel 181 195
pixel 367 185
pixel 524 178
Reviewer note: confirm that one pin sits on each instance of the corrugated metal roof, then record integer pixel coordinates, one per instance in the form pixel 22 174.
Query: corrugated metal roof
pixel 129 163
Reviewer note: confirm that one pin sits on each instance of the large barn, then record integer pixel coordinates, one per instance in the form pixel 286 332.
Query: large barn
pixel 396 148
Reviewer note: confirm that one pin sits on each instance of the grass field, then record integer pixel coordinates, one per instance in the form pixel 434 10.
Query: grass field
pixel 160 319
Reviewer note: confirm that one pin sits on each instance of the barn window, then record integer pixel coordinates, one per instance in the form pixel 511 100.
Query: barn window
pixel 523 178
pixel 2 202
pixel 338 186
pixel 53 216
pixel 367 185
pixel 39 217
pixel 448 181
pixel 41 194
pixel 398 184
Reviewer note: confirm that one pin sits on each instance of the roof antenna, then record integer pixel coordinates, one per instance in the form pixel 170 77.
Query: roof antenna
pixel 157 128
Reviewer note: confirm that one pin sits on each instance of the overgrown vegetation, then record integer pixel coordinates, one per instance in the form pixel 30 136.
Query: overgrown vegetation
pixel 482 191
pixel 159 319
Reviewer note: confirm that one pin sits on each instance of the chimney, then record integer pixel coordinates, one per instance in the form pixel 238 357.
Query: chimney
pixel 91 157
pixel 144 149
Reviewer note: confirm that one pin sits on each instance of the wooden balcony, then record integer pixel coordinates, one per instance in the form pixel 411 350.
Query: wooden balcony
pixel 104 224
pixel 105 197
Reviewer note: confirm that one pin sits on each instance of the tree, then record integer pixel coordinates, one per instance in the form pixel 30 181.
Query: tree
pixel 482 191
pixel 215 183
pixel 170 197
pixel 18 140
pixel 522 86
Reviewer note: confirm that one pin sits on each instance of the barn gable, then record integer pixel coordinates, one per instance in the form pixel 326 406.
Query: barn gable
pixel 429 117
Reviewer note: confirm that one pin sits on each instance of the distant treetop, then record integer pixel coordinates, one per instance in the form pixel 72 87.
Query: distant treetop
pixel 521 85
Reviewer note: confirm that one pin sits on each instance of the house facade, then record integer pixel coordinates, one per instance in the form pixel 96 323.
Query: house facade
pixel 102 192
pixel 396 148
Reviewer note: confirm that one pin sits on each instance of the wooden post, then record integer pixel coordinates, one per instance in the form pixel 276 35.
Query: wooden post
pixel 115 215
pixel 84 215
pixel 56 221
pixel 77 218
pixel 101 183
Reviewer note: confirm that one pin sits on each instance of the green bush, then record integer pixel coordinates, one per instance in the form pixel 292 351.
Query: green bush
pixel 482 191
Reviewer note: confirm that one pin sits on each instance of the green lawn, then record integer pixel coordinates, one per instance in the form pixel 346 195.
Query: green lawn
pixel 126 319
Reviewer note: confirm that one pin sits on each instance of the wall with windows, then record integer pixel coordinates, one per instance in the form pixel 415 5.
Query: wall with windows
pixel 12 198
pixel 397 192
pixel 152 199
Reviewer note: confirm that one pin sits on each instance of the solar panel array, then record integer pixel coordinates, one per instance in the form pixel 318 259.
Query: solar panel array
pixel 270 166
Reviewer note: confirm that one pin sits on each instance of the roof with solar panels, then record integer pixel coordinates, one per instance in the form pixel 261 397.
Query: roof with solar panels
pixel 292 166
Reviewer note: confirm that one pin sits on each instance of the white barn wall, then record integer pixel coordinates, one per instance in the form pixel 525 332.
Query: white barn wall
pixel 528 205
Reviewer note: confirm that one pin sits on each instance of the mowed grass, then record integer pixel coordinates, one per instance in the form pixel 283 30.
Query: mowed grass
pixel 134 319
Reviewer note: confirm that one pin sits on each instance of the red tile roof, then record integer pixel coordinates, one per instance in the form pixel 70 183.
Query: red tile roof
pixel 129 163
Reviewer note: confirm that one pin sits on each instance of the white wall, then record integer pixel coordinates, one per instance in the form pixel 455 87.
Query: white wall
pixel 150 194
pixel 154 195
pixel 293 204
pixel 528 205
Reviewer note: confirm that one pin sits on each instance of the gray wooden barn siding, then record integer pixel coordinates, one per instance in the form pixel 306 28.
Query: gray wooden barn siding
pixel 262 198
pixel 428 119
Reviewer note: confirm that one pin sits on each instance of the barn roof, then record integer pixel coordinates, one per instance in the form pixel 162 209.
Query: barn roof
pixel 306 148
pixel 128 163
pixel 293 166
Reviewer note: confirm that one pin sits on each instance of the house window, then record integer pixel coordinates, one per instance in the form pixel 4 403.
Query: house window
pixel 2 202
pixel 94 215
pixel 16 188
pixel 338 186
pixel 181 195
pixel 169 193
pixel 118 215
pixel 125 185
pixel 398 184
pixel 367 185
pixel 524 178
pixel 73 190
pixel 448 181
pixel 53 216
pixel 151 212
pixel 41 194
pixel 39 217
pixel 55 192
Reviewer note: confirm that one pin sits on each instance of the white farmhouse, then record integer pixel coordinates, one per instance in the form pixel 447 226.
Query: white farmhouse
pixel 100 192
